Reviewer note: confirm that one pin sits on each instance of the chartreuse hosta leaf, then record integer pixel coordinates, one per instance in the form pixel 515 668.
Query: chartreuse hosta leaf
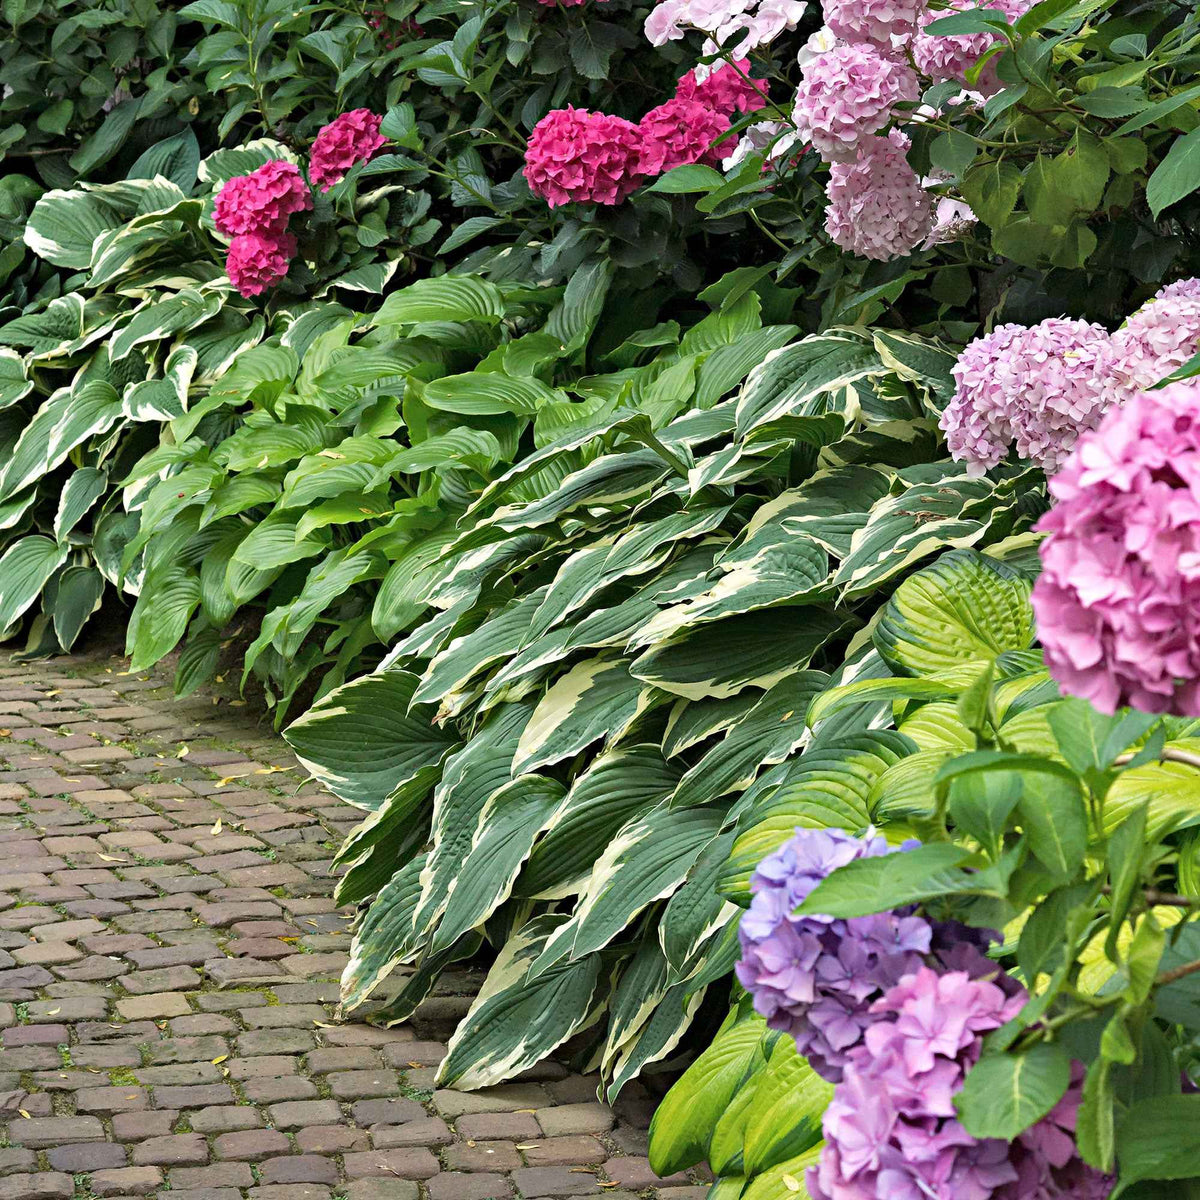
pixel 363 741
pixel 963 608
pixel 1170 786
pixel 683 1122
pixel 784 1119
pixel 786 1181
pixel 517 1019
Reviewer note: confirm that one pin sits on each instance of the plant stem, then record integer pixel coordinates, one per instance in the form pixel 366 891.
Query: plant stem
pixel 1176 973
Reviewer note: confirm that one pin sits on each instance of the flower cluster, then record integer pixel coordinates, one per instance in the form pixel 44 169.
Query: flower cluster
pixel 1159 338
pixel 893 1008
pixel 263 201
pixel 877 206
pixel 582 156
pixel 738 26
pixel 350 138
pixel 881 21
pixel 847 94
pixel 678 132
pixel 255 210
pixel 941 57
pixel 1118 599
pixel 1037 387
pixel 727 89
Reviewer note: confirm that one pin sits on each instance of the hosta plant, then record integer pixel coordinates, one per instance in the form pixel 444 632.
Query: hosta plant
pixel 1070 832
pixel 623 636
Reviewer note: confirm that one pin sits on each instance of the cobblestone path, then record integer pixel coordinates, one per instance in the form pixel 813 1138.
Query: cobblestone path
pixel 169 950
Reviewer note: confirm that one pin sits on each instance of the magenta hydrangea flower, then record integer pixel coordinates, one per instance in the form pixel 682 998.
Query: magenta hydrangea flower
pixel 848 93
pixel 726 90
pixel 257 261
pixel 350 138
pixel 941 57
pixel 1158 339
pixel 584 157
pixel 262 201
pixel 816 977
pixel 678 132
pixel 1118 600
pixel 1038 388
pixel 877 206
pixel 884 22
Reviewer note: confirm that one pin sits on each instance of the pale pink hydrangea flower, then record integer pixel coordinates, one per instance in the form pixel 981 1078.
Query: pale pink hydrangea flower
pixel 1038 388
pixel 727 89
pixel 847 94
pixel 262 201
pixel 350 138
pixel 772 139
pixel 738 26
pixel 877 206
pixel 817 43
pixel 256 261
pixel 1118 599
pixel 679 132
pixel 1158 339
pixel 884 22
pixel 1184 289
pixel 583 157
pixel 941 57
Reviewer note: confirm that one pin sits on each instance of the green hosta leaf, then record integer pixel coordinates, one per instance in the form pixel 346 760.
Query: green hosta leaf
pixel 175 158
pixel 25 569
pixel 964 608
pixel 237 494
pixel 198 659
pixel 508 824
pixel 681 1126
pixel 482 393
pixel 1006 1093
pixel 15 383
pixel 358 464
pixel 785 1117
pixel 80 492
pixel 596 698
pixel 362 741
pixel 166 602
pixel 619 786
pixel 448 298
pixel 752 650
pixel 273 543
pixel 80 590
pixel 771 731
pixel 516 1020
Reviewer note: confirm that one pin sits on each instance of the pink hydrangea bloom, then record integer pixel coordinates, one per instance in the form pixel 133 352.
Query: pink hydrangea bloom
pixel 584 157
pixel 941 57
pixel 678 132
pixel 351 138
pixel 1038 387
pixel 262 201
pixel 877 206
pixel 1186 289
pixel 892 1131
pixel 880 21
pixel 726 90
pixel 1118 599
pixel 1159 338
pixel 847 94
pixel 257 261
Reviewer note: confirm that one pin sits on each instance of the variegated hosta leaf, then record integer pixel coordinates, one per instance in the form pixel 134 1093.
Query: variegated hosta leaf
pixel 156 322
pixel 378 947
pixel 697 911
pixel 619 786
pixel 828 786
pixel 662 1032
pixel 640 987
pixel 166 398
pixel 771 731
pixel 362 741
pixel 646 861
pixel 25 568
pixel 518 1019
pixel 596 698
pixel 15 383
pixel 85 486
pixel 751 650
pixel 963 608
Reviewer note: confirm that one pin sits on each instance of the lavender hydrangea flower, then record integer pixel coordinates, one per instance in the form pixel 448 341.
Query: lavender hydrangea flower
pixel 816 977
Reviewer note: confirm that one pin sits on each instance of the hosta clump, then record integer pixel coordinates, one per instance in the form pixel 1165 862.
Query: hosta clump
pixel 622 636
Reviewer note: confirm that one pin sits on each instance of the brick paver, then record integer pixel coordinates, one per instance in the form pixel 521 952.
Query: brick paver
pixel 169 955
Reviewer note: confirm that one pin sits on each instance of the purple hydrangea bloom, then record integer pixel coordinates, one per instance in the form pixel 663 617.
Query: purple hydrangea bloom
pixel 817 977
pixel 891 1130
